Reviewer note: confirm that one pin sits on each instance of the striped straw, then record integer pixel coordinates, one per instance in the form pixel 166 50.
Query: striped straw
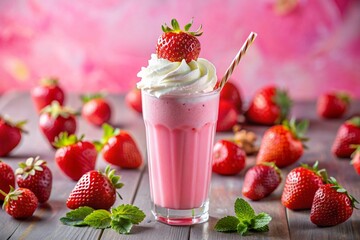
pixel 237 58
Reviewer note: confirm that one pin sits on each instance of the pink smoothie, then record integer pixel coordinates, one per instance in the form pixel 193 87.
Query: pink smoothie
pixel 180 135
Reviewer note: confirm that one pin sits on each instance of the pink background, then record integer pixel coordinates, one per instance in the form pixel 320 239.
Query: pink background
pixel 306 46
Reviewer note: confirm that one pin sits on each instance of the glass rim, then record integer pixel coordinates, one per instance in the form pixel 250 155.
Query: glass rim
pixel 186 95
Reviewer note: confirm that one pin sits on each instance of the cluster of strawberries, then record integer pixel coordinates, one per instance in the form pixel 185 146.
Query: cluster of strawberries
pixel 74 156
pixel 282 145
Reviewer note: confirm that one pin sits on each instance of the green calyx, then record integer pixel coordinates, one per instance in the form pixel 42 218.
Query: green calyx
pixel 298 130
pixel 343 96
pixel 341 189
pixel 354 121
pixel 176 28
pixel 19 125
pixel 49 81
pixel 12 195
pixel 108 132
pixel 64 139
pixel 29 167
pixel 356 148
pixel 88 97
pixel 114 179
pixel 283 101
pixel 315 169
pixel 55 110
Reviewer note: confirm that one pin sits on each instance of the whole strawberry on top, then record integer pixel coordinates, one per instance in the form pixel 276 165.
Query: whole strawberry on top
pixel 228 158
pixel 300 186
pixel 176 44
pixel 333 105
pixel 261 180
pixel 7 178
pixel 356 159
pixel 347 135
pixel 20 203
pixel 119 148
pixel 74 156
pixel 95 189
pixel 47 92
pixel 133 99
pixel 34 174
pixel 10 135
pixel 96 109
pixel 332 205
pixel 269 106
pixel 55 119
pixel 283 144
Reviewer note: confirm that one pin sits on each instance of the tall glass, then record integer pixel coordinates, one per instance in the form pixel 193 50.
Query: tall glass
pixel 180 133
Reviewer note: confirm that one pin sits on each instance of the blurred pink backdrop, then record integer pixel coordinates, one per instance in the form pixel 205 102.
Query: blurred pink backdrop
pixel 306 46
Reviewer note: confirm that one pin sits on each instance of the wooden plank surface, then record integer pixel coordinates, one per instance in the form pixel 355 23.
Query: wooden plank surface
pixel 286 224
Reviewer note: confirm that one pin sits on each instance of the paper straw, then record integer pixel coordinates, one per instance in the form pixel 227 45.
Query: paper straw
pixel 237 58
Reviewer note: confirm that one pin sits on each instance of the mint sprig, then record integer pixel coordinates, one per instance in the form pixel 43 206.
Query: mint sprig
pixel 245 220
pixel 121 219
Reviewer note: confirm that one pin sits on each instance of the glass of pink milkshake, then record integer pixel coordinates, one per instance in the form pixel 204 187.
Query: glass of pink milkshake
pixel 180 109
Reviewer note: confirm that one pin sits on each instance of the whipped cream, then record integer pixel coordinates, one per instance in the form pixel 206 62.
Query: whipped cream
pixel 163 77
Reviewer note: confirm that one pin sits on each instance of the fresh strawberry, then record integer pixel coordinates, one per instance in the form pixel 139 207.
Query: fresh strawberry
pixel 332 205
pixel 227 116
pixel 119 148
pixel 35 175
pixel 95 189
pixel 47 92
pixel 20 203
pixel 133 99
pixel 300 186
pixel 283 144
pixel 7 178
pixel 269 106
pixel 96 110
pixel 176 44
pixel 228 158
pixel 55 119
pixel 333 105
pixel 261 180
pixel 74 156
pixel 356 159
pixel 232 94
pixel 347 135
pixel 10 135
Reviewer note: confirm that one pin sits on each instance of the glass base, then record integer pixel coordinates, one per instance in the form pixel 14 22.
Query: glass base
pixel 181 217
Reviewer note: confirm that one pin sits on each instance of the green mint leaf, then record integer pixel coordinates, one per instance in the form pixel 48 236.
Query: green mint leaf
pixel 121 225
pixel 262 229
pixel 98 219
pixel 227 224
pixel 242 229
pixel 243 210
pixel 76 217
pixel 128 211
pixel 260 220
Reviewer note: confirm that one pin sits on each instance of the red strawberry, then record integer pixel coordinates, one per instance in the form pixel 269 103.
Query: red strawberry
pixel 133 100
pixel 356 159
pixel 176 44
pixel 96 110
pixel 347 135
pixel 261 180
pixel 20 203
pixel 46 93
pixel 283 144
pixel 227 116
pixel 10 135
pixel 55 119
pixel 74 156
pixel 95 189
pixel 7 179
pixel 35 175
pixel 333 105
pixel 232 94
pixel 119 148
pixel 270 105
pixel 300 186
pixel 228 158
pixel 332 205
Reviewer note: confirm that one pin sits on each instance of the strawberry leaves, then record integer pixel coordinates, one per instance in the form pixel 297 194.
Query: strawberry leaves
pixel 108 132
pixel 245 220
pixel 121 219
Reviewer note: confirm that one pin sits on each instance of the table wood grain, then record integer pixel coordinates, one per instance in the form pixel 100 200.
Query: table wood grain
pixel 286 224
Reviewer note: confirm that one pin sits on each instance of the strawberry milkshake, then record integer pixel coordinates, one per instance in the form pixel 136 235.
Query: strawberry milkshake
pixel 180 109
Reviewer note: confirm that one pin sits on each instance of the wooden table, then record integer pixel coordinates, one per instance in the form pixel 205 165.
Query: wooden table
pixel 286 224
